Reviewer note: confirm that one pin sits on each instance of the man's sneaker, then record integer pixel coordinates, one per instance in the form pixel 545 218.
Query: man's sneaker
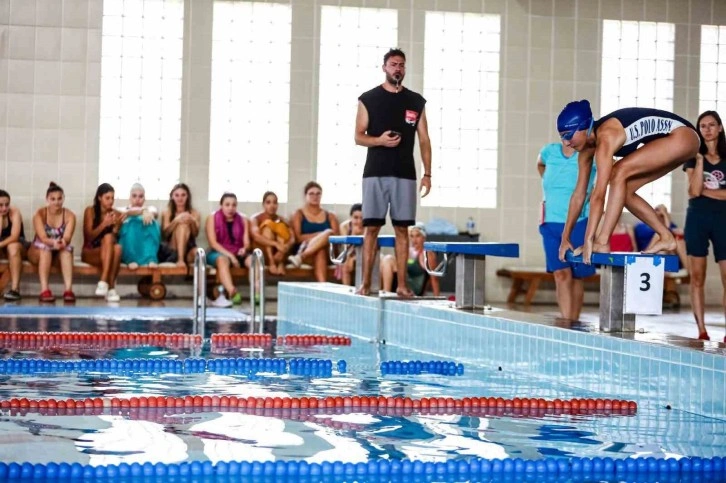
pixel 101 289
pixel 222 302
pixel 12 295
pixel 112 296
pixel 236 298
pixel 295 260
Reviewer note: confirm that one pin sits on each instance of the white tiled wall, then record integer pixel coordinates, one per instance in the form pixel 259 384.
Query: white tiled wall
pixel 50 52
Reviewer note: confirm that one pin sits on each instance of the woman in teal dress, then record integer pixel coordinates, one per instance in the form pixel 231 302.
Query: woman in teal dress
pixel 140 233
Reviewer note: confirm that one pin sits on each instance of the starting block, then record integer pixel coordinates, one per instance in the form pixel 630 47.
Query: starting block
pixel 356 241
pixel 630 284
pixel 470 267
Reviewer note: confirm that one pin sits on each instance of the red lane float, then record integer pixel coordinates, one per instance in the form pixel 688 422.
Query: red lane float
pixel 313 339
pixel 95 340
pixel 137 411
pixel 349 403
pixel 224 341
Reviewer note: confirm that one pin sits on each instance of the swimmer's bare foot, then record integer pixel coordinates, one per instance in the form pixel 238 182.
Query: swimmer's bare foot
pixel 274 269
pixel 405 293
pixel 281 269
pixel 363 290
pixel 662 246
pixel 600 247
pixel 181 263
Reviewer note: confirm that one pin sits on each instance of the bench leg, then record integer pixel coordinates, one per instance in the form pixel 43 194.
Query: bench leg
pixel 515 290
pixel 470 282
pixel 531 291
pixel 612 301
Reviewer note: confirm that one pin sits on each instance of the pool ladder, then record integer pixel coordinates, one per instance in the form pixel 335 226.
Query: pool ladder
pixel 200 292
pixel 257 274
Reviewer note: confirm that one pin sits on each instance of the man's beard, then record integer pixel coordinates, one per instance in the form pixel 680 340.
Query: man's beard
pixel 393 81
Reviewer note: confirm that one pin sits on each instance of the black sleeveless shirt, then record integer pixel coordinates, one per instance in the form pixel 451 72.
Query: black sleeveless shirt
pixel 393 111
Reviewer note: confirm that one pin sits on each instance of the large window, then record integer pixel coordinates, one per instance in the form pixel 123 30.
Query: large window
pixel 250 111
pixel 713 68
pixel 141 70
pixel 461 86
pixel 352 44
pixel 637 71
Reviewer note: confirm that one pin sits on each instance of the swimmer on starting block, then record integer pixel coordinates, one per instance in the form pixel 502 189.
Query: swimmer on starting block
pixel 667 142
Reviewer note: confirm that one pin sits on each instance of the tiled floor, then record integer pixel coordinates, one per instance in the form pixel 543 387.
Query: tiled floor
pixel 673 322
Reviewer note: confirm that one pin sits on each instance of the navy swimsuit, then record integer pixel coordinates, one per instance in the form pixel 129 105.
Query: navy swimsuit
pixel 643 125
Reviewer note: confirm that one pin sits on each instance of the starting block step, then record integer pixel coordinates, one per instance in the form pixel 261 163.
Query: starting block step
pixel 630 284
pixel 384 241
pixel 482 249
pixel 620 259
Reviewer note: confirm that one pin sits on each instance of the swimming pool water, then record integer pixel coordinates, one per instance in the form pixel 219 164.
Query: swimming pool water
pixel 213 435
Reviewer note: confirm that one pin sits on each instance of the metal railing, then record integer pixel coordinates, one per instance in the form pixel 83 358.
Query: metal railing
pixel 257 280
pixel 200 292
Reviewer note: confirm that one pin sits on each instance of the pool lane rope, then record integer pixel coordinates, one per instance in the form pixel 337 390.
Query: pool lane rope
pixel 297 366
pixel 122 340
pixel 348 403
pixel 148 410
pixel 597 468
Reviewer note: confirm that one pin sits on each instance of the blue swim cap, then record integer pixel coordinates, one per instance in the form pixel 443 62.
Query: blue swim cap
pixel 576 116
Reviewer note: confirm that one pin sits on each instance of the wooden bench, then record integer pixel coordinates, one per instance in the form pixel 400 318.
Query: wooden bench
pixel 150 283
pixel 526 280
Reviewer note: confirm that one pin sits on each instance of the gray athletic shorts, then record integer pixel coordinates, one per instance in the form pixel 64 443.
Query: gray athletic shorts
pixel 380 193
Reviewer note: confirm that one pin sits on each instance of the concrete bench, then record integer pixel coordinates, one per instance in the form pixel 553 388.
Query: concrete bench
pixel 613 285
pixel 356 241
pixel 470 266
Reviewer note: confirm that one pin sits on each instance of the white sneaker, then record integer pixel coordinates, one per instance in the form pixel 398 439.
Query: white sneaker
pixel 222 302
pixel 295 260
pixel 112 296
pixel 101 289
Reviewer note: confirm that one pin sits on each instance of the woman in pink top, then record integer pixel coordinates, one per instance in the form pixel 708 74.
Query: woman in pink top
pixel 228 234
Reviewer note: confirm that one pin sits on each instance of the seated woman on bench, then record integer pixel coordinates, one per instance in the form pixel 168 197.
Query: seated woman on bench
pixel 272 234
pixel 54 226
pixel 13 245
pixel 416 275
pixel 351 226
pixel 228 234
pixel 313 226
pixel 179 228
pixel 140 234
pixel 101 225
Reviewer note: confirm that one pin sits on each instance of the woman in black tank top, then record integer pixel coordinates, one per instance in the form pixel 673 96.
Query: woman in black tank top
pixel 652 143
pixel 12 243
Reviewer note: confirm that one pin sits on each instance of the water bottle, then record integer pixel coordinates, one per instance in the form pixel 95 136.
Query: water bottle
pixel 470 226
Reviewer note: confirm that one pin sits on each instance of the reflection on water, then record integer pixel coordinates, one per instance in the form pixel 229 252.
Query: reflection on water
pixel 163 435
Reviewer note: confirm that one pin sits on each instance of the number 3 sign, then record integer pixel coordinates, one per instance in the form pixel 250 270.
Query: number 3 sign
pixel 644 285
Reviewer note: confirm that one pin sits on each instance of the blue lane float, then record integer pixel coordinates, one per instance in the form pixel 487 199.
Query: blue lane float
pixel 226 366
pixel 442 368
pixel 476 469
